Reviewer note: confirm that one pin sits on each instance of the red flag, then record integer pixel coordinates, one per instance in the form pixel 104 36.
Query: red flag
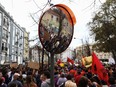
pixel 98 68
pixel 69 60
pixel 59 61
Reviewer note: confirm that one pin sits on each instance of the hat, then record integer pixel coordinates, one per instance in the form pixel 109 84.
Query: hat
pixel 16 74
pixel 3 78
pixel 24 76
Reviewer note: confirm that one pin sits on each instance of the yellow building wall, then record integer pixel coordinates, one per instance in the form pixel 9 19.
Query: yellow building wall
pixel 26 46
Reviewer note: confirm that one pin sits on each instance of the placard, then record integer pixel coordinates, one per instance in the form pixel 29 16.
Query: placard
pixel 33 65
pixel 14 65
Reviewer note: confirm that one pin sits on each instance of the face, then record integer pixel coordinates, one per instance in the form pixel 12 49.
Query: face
pixel 42 78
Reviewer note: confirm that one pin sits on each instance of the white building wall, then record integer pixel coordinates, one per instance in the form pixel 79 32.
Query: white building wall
pixel 67 53
pixel 13 38
pixel 34 55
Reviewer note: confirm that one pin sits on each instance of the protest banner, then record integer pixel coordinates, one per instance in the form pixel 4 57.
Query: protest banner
pixel 33 65
pixel 14 65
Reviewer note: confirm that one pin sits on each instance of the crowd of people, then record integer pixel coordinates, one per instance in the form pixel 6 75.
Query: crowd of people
pixel 67 76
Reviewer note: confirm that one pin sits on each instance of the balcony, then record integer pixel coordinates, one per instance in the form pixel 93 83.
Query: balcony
pixel 16 43
pixel 20 45
pixel 5 36
pixel 4 49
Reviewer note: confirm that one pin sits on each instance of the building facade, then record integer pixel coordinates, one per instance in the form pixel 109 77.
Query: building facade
pixel 81 51
pixel 11 39
pixel 36 53
pixel 26 45
pixel 68 53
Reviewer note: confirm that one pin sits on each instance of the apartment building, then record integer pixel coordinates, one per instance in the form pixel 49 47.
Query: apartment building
pixel 36 53
pixel 11 39
pixel 82 51
pixel 26 45
pixel 68 53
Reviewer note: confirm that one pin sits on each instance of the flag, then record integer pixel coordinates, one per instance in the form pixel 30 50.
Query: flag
pixel 70 61
pixel 87 61
pixel 59 61
pixel 98 68
pixel 61 64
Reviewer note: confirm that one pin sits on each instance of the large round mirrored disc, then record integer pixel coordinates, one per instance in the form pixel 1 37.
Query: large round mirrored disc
pixel 56 29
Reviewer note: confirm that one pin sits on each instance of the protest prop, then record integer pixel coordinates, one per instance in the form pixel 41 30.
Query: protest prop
pixel 33 65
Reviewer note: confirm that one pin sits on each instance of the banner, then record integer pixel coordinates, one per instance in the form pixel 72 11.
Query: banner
pixel 33 65
pixel 87 61
pixel 14 65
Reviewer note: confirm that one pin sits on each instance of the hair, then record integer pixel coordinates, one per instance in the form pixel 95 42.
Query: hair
pixel 112 80
pixel 83 82
pixel 69 77
pixel 97 79
pixel 47 74
pixel 13 85
pixel 79 72
pixel 29 79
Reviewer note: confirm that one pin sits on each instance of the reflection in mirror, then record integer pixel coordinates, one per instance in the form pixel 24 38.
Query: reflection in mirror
pixel 56 29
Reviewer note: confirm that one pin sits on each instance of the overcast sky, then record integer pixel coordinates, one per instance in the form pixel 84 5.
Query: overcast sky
pixel 83 10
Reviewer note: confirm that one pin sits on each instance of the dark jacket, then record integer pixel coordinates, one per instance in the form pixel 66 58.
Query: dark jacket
pixel 19 84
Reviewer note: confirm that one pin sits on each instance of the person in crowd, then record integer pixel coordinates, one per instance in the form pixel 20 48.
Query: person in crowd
pixel 2 84
pixel 112 82
pixel 13 85
pixel 69 82
pixel 77 77
pixel 24 75
pixel 97 81
pixel 110 71
pixel 29 82
pixel 56 77
pixel 20 78
pixel 37 78
pixel 93 83
pixel 83 82
pixel 61 80
pixel 104 84
pixel 42 78
pixel 15 80
pixel 10 74
pixel 46 82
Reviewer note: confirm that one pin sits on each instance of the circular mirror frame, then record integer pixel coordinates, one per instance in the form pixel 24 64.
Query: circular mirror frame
pixel 61 47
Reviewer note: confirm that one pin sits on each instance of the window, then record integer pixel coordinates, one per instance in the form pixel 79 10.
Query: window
pixel 5 33
pixel 5 21
pixel 4 46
